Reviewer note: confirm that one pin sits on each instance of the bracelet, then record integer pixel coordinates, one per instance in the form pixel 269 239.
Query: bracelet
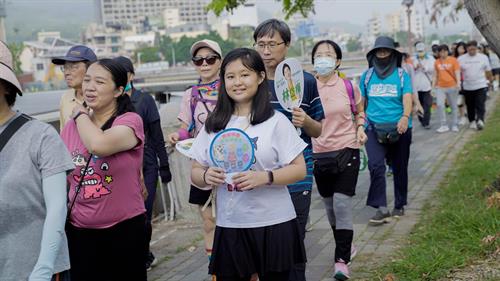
pixel 360 125
pixel 183 134
pixel 204 175
pixel 408 117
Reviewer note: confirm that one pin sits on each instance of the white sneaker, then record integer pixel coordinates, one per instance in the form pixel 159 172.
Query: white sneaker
pixel 480 125
pixel 443 129
pixel 473 125
pixel 454 129
pixel 462 121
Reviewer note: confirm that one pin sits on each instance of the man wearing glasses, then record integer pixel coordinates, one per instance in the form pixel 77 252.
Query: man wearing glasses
pixel 73 65
pixel 272 40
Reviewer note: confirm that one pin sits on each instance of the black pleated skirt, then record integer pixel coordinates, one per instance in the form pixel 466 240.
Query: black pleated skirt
pixel 240 252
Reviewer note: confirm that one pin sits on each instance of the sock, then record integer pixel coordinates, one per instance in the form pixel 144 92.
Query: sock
pixel 209 254
pixel 383 209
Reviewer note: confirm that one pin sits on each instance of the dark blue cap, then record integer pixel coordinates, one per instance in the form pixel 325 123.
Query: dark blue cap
pixel 76 53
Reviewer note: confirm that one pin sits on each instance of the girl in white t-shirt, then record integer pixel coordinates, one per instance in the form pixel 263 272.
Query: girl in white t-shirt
pixel 257 233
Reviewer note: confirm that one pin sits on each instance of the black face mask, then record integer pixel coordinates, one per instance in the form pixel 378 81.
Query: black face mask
pixel 386 66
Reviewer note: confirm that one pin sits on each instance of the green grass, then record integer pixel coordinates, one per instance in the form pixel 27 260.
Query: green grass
pixel 456 219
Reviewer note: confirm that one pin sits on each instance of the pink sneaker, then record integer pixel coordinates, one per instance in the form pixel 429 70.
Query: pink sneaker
pixel 354 252
pixel 341 270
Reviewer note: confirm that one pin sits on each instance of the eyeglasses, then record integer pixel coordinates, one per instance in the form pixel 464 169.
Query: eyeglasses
pixel 271 45
pixel 70 67
pixel 198 61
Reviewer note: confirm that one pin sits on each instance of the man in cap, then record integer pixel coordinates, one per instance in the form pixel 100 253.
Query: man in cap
pixel 74 65
pixel 154 149
pixel 424 71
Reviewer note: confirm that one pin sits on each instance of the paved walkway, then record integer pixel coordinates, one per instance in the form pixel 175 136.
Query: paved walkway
pixel 432 156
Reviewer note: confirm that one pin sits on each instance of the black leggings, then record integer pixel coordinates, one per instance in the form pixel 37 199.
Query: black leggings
pixel 110 254
pixel 269 276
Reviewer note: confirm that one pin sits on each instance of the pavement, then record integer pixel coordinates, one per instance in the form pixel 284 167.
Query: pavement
pixel 180 250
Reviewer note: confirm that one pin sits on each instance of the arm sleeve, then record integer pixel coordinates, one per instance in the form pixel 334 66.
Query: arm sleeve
pixel 287 144
pixel 54 194
pixel 185 114
pixel 133 121
pixel 158 142
pixel 362 88
pixel 407 87
pixel 200 148
pixel 315 110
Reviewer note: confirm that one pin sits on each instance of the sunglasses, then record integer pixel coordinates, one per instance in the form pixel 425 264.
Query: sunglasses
pixel 198 61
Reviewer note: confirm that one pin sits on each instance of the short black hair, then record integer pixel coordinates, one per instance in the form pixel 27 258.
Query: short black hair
pixel 10 92
pixel 472 43
pixel 261 103
pixel 461 43
pixel 435 48
pixel 268 27
pixel 443 47
pixel 335 46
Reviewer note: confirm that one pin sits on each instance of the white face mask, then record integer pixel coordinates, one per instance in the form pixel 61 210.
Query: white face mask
pixel 324 65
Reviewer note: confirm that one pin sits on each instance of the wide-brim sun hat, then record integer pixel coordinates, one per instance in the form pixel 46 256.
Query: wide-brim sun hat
pixel 6 70
pixel 206 43
pixel 384 42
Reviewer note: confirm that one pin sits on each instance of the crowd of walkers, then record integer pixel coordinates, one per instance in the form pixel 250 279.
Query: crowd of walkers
pixel 78 206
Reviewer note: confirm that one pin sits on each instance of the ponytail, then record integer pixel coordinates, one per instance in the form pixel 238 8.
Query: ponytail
pixel 123 105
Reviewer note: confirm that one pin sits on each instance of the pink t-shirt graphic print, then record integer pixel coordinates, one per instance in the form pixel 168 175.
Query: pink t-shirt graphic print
pixel 111 191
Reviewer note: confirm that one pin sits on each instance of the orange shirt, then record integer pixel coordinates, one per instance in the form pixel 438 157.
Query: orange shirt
pixel 445 70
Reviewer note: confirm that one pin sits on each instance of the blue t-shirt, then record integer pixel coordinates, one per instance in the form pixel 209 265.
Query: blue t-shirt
pixel 385 97
pixel 311 104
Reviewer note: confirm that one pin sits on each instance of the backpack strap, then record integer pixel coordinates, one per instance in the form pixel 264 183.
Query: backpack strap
pixel 401 75
pixel 350 93
pixel 12 128
pixel 196 97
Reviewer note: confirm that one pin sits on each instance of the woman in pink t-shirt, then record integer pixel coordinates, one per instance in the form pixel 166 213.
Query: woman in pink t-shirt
pixel 336 151
pixel 197 103
pixel 106 230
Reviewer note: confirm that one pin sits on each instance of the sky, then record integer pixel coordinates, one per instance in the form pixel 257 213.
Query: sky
pixel 51 13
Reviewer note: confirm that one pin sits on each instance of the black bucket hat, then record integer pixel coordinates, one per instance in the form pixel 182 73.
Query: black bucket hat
pixel 386 43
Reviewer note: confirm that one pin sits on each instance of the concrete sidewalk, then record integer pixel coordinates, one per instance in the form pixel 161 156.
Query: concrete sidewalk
pixel 181 251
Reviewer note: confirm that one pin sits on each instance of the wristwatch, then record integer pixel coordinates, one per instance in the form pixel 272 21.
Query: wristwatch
pixel 270 177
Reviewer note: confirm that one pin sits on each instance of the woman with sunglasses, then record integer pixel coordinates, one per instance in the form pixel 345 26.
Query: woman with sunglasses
pixel 197 103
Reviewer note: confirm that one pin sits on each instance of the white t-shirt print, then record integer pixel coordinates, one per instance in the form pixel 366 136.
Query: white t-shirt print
pixel 277 145
pixel 473 69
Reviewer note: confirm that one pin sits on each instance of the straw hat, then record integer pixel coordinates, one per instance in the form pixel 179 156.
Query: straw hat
pixel 6 70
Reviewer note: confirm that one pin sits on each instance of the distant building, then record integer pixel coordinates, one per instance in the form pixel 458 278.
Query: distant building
pixel 188 30
pixel 135 13
pixel 133 42
pixel 106 41
pixel 398 21
pixel 36 57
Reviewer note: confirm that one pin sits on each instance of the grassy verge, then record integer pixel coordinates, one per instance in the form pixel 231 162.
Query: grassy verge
pixel 452 227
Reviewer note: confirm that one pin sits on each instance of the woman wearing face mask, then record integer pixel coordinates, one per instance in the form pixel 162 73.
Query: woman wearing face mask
pixel 197 103
pixel 387 90
pixel 336 151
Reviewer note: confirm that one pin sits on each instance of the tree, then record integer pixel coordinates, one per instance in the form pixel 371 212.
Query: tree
pixel 353 44
pixel 16 50
pixel 486 17
pixel 484 13
pixel 290 7
pixel 147 54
